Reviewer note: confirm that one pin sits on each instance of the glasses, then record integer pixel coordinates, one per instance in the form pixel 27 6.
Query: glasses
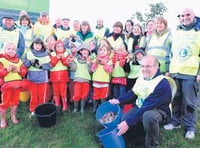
pixel 147 66
pixel 188 14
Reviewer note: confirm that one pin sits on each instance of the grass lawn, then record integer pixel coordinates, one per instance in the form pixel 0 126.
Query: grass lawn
pixel 72 131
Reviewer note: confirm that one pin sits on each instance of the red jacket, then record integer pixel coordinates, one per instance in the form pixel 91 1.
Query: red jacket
pixel 61 75
pixel 4 72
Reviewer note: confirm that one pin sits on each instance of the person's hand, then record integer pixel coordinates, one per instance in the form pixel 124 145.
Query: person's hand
pixel 198 78
pixel 89 60
pixel 167 74
pixel 9 68
pixel 70 59
pixel 122 127
pixel 114 101
pixel 15 69
pixel 60 56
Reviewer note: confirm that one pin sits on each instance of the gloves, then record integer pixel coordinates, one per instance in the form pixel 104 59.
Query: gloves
pixel 35 63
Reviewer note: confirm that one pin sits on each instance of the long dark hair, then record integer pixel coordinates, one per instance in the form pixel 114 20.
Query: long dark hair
pixel 38 41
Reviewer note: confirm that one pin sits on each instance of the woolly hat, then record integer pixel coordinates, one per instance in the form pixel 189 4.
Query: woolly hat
pixel 137 49
pixel 83 46
pixel 76 44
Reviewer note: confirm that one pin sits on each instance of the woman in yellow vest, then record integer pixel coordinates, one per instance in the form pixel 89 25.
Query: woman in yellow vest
pixel 116 38
pixel 158 43
pixel 59 73
pixel 11 70
pixel 102 69
pixel 26 29
pixel 135 38
pixel 85 32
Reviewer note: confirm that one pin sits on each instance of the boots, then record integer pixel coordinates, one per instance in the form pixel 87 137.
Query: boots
pixel 57 100
pixel 75 106
pixel 3 118
pixel 13 115
pixel 64 102
pixel 82 106
pixel 94 106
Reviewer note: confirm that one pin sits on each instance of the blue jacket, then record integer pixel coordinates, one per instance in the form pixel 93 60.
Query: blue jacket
pixel 38 76
pixel 159 99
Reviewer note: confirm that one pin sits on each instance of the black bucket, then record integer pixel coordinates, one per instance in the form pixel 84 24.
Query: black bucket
pixel 46 114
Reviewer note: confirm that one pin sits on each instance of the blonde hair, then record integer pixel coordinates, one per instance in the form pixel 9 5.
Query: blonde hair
pixel 162 20
pixel 6 44
pixel 106 46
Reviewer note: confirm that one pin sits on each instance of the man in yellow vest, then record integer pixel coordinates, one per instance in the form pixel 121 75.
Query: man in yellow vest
pixel 43 28
pixel 184 67
pixel 100 31
pixel 10 32
pixel 151 95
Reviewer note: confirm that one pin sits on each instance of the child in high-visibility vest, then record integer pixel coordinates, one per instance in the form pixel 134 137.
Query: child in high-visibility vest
pixel 102 69
pixel 118 74
pixel 59 73
pixel 81 67
pixel 11 70
pixel 38 63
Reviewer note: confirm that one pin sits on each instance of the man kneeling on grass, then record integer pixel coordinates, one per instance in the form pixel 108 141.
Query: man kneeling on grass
pixel 151 95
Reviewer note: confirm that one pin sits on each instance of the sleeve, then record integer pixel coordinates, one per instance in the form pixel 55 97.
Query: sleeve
pixel 46 66
pixel 94 67
pixel 122 61
pixel 73 66
pixel 129 97
pixel 65 60
pixel 23 70
pixel 3 71
pixel 127 67
pixel 26 62
pixel 54 60
pixel 160 96
pixel 108 68
pixel 21 45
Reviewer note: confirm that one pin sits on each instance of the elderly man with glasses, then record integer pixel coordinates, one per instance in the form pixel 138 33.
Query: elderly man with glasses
pixel 151 96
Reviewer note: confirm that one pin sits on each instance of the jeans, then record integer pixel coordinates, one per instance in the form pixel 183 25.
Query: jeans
pixel 185 103
pixel 118 90
pixel 151 121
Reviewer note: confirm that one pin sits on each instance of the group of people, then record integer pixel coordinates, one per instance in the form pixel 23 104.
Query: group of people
pixel 123 66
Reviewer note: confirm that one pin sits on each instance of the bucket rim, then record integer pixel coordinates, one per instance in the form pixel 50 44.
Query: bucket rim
pixel 119 112
pixel 48 103
pixel 46 115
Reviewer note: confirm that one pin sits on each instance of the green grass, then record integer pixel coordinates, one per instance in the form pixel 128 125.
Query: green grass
pixel 72 131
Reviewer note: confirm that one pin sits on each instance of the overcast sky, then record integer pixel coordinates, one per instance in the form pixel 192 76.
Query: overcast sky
pixel 114 10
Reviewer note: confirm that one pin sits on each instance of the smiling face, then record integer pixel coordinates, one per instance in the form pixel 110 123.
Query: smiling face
pixel 37 46
pixel 187 16
pixel 137 30
pixel 10 49
pixel 149 66
pixel 103 51
pixel 59 47
pixel 8 22
pixel 84 52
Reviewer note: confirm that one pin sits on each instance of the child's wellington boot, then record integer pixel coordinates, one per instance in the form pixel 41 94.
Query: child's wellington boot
pixel 13 115
pixel 3 118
